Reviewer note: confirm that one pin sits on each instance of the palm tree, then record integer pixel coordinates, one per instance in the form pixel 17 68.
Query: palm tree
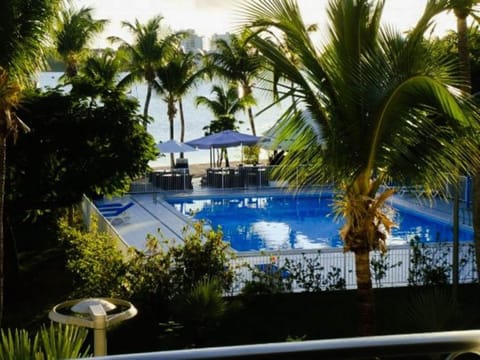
pixel 188 73
pixel 99 74
pixel 75 29
pixel 371 107
pixel 237 61
pixel 26 28
pixel 225 104
pixel 150 46
pixel 174 77
pixel 462 10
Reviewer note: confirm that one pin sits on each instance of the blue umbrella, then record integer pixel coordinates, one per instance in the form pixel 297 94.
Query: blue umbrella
pixel 227 138
pixel 174 146
pixel 223 139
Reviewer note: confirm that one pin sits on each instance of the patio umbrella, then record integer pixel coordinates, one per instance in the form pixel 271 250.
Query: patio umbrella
pixel 223 139
pixel 174 146
pixel 226 138
pixel 271 139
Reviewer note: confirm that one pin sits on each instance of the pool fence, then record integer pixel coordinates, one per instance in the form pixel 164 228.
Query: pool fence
pixel 334 269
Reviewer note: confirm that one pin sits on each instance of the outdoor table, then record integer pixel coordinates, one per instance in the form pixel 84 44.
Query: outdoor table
pixel 254 176
pixel 243 176
pixel 178 179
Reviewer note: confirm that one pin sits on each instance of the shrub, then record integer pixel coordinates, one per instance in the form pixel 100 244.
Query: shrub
pixel 312 276
pixel 429 265
pixel 204 254
pixel 251 154
pixel 50 343
pixel 161 272
pixel 379 266
pixel 201 309
pixel 93 259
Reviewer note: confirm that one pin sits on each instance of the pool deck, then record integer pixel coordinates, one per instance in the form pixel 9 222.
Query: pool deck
pixel 152 215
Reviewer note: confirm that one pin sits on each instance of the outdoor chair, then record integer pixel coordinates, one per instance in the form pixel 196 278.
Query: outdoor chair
pixel 181 163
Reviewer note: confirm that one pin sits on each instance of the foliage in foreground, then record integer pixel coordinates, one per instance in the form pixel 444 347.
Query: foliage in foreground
pixel 76 146
pixel 49 343
pixel 162 272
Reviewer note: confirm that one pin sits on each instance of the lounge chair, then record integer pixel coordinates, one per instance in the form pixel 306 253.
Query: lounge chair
pixel 109 206
pixel 116 213
pixel 273 270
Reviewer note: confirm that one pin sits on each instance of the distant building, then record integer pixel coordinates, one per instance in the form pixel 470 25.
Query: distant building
pixel 192 43
pixel 226 37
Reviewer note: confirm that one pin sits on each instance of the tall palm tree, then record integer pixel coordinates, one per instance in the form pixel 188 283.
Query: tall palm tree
pixel 150 45
pixel 371 107
pixel 188 73
pixel 75 29
pixel 174 77
pixel 238 61
pixel 462 10
pixel 224 105
pixel 25 30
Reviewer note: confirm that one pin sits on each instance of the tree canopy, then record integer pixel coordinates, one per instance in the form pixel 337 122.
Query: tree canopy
pixel 75 147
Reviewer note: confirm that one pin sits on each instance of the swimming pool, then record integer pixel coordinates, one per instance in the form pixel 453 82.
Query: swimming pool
pixel 296 222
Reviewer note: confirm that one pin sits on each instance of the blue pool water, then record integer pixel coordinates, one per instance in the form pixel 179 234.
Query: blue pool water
pixel 296 222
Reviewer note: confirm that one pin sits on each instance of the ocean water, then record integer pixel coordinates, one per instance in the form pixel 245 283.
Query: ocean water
pixel 195 117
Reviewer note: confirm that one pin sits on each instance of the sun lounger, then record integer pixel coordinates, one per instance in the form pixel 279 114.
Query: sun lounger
pixel 273 270
pixel 116 213
pixel 109 205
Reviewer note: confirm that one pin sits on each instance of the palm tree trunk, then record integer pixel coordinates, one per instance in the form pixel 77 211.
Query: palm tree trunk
pixel 227 162
pixel 366 312
pixel 476 218
pixel 172 158
pixel 182 124
pixel 147 104
pixel 252 121
pixel 171 117
pixel 3 169
pixel 463 53
pixel 247 91
pixel 464 60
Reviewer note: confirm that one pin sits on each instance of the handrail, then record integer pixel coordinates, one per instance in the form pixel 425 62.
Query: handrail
pixel 454 343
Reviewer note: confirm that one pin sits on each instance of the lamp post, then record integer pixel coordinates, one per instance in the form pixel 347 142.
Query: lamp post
pixel 95 313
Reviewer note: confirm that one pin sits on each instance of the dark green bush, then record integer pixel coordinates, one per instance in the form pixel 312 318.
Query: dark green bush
pixel 162 272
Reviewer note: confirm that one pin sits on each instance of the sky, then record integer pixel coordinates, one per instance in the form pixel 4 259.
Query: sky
pixel 208 17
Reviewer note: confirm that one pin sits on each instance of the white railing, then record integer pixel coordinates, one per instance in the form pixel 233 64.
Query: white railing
pixel 90 213
pixel 449 345
pixel 335 269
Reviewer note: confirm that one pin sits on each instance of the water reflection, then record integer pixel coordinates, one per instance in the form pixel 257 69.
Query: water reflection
pixel 296 222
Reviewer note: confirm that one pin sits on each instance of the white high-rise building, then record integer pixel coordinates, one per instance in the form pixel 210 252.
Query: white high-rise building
pixel 226 37
pixel 193 42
